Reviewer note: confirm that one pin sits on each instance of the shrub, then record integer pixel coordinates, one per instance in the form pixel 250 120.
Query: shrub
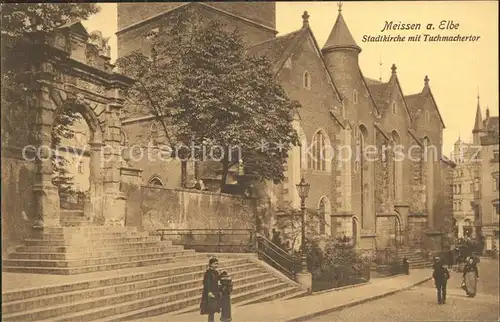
pixel 336 265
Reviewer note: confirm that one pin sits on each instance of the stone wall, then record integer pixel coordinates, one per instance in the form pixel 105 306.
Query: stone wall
pixel 18 201
pixel 417 226
pixel 180 208
pixel 386 231
pixel 133 39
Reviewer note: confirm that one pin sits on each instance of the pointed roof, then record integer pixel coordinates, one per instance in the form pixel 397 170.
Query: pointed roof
pixel 415 101
pixel 340 36
pixel 279 49
pixel 478 122
pixel 276 48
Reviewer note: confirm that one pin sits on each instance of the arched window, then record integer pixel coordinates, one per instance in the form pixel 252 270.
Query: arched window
pixel 155 182
pixel 307 80
pixel 397 167
pixel 324 225
pixel 319 156
pixel 394 109
pixel 355 96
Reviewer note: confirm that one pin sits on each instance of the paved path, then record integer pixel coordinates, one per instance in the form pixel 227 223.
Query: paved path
pixel 309 306
pixel 419 303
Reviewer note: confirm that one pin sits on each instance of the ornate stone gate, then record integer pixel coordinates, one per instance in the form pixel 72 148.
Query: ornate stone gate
pixel 75 73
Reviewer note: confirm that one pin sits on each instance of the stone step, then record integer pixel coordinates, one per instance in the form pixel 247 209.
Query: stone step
pixel 98 268
pixel 87 249
pixel 238 295
pixel 132 275
pixel 93 228
pixel 186 280
pixel 92 235
pixel 282 294
pixel 96 254
pixel 100 307
pixel 103 241
pixel 93 261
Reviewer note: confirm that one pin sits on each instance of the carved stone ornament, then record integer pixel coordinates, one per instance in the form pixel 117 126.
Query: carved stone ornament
pixel 60 41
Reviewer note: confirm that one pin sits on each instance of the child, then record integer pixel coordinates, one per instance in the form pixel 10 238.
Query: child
pixel 226 287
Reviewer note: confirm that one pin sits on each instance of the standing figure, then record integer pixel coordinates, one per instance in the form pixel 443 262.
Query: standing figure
pixel 471 275
pixel 226 287
pixel 441 276
pixel 211 297
pixel 451 258
pixel 406 266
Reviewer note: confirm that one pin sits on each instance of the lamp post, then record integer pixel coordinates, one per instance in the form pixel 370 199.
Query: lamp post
pixel 303 190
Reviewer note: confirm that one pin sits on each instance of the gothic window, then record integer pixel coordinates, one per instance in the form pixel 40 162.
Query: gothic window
pixel 496 182
pixel 307 80
pixel 355 96
pixel 321 215
pixel 155 182
pixel 324 225
pixel 426 116
pixel 319 152
pixel 397 168
pixel 80 167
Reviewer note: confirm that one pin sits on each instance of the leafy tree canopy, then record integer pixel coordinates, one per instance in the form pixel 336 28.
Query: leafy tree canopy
pixel 200 82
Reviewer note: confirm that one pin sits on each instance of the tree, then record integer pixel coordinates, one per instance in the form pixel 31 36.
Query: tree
pixel 31 23
pixel 205 91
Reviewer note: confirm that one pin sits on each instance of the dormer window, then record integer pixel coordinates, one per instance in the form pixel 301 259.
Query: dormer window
pixel 394 109
pixel 355 96
pixel 307 80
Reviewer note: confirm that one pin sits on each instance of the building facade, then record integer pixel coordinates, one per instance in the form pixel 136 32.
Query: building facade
pixel 380 198
pixel 464 194
pixel 486 133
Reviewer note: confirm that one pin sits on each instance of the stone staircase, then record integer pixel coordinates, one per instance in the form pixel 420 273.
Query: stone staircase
pixel 74 218
pixel 416 260
pixel 121 274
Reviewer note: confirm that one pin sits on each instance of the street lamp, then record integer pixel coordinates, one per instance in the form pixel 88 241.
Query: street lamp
pixel 303 190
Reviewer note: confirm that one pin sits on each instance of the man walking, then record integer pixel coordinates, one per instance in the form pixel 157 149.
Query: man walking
pixel 441 276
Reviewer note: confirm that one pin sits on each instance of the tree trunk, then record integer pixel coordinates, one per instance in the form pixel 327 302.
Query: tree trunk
pixel 225 169
pixel 183 174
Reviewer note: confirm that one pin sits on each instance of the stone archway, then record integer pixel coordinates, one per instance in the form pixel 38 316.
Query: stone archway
pixel 77 74
pixel 92 204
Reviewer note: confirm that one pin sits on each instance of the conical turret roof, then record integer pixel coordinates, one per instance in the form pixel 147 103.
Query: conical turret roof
pixel 340 36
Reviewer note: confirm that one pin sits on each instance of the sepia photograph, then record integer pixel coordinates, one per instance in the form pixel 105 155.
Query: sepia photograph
pixel 250 161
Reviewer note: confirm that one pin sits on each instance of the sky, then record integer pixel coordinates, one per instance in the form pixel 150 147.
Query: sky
pixel 458 72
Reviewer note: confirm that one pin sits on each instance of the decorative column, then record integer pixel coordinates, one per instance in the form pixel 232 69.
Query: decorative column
pixel 46 194
pixel 94 207
pixel 114 200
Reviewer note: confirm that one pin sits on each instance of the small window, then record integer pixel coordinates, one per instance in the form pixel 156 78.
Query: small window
pixel 307 80
pixel 496 208
pixel 355 96
pixel 426 116
pixel 394 109
pixel 80 167
pixel 496 183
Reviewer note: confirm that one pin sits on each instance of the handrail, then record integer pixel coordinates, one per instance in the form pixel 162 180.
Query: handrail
pixel 277 257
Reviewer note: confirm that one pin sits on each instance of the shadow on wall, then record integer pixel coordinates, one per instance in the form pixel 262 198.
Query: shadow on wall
pixel 18 203
pixel 163 208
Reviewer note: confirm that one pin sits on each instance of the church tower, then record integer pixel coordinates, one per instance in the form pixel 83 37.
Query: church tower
pixel 341 54
pixel 478 130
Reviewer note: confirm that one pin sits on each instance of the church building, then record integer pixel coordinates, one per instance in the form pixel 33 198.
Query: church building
pixel 394 195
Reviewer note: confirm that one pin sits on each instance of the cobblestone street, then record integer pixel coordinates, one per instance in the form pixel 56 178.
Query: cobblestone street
pixel 419 303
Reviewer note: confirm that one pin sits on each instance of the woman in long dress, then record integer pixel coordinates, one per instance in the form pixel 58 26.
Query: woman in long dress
pixel 471 275
pixel 211 297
